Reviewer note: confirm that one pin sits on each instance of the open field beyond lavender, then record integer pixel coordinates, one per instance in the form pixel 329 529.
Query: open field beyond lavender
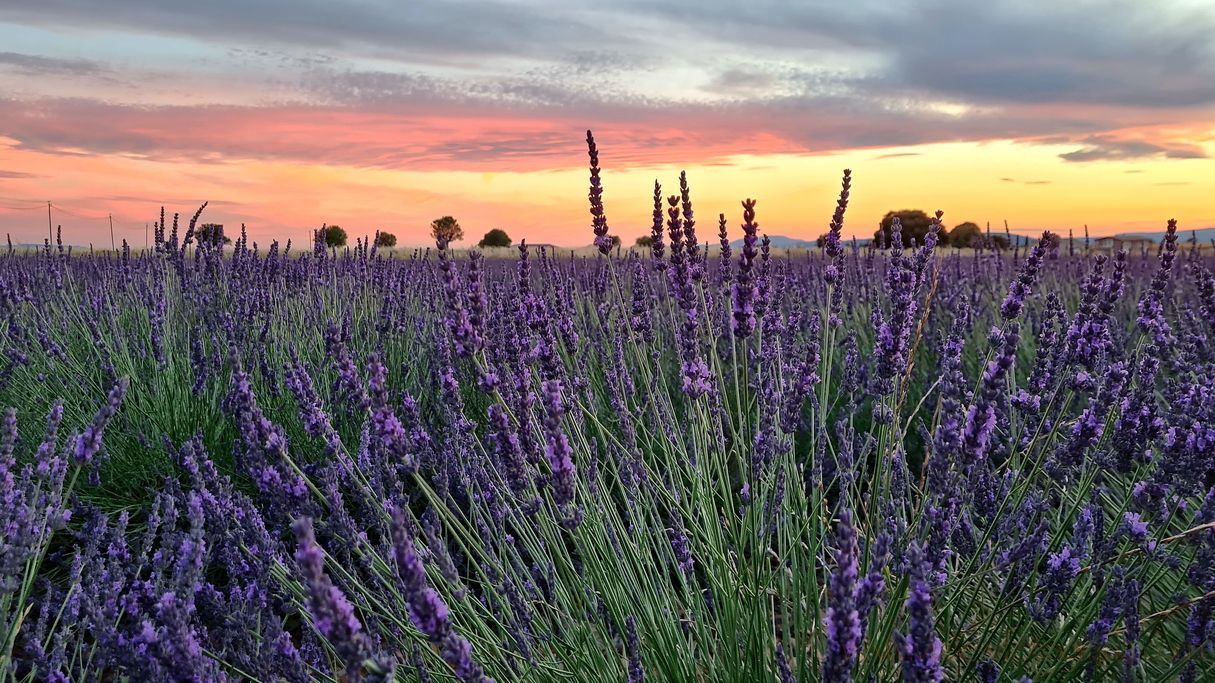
pixel 856 464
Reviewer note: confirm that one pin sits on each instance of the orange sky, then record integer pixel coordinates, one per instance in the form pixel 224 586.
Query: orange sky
pixel 122 113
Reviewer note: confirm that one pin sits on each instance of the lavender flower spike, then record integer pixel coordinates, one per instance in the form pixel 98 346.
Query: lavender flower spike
pixel 427 610
pixel 784 670
pixel 919 648
pixel 831 247
pixel 332 614
pixel 88 444
pixel 633 646
pixel 657 246
pixel 598 220
pixel 841 621
pixel 743 291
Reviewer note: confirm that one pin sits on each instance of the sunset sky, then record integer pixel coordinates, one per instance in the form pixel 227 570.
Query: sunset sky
pixel 286 114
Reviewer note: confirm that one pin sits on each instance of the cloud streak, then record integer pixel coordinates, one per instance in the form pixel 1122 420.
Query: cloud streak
pixel 35 65
pixel 463 130
pixel 1104 148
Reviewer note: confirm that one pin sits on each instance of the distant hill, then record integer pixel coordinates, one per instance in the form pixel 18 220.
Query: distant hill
pixel 1183 235
pixel 1204 235
pixel 781 242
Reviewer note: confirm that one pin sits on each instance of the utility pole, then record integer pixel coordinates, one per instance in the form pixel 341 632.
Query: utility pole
pixel 112 246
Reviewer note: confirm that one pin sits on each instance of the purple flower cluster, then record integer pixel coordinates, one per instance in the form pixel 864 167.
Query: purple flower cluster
pixel 427 611
pixel 360 464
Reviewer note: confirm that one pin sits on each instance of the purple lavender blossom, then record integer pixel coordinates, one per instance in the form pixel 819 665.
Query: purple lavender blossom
pixel 841 620
pixel 633 648
pixel 558 451
pixel 332 614
pixel 831 246
pixel 599 223
pixel 427 611
pixel 690 245
pixel 679 544
pixel 657 247
pixel 743 291
pixel 919 647
pixel 783 670
pixel 88 444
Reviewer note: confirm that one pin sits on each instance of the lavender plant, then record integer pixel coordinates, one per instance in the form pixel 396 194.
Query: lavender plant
pixel 865 463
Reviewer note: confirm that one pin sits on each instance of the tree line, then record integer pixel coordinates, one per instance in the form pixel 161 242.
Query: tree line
pixel 445 229
pixel 914 223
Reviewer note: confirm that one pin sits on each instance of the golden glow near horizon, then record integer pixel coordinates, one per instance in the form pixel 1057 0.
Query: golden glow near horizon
pixel 1027 185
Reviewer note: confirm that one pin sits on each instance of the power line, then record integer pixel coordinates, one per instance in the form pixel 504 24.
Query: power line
pixel 60 207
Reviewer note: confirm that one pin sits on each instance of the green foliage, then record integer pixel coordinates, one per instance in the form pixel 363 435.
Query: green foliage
pixel 335 236
pixel 211 233
pixel 495 238
pixel 967 234
pixel 644 241
pixel 446 229
pixel 385 239
pixel 915 226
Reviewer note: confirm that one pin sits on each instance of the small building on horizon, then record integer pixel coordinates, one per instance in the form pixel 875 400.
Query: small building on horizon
pixel 1127 243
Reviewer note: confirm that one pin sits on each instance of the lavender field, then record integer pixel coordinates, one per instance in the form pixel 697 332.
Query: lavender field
pixel 692 463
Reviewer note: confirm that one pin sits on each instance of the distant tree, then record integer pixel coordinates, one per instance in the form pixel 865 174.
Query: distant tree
pixel 966 234
pixel 211 233
pixel 385 239
pixel 495 238
pixel 1053 241
pixel 915 225
pixel 446 229
pixel 335 236
pixel 615 240
pixel 821 241
pixel 645 242
pixel 999 242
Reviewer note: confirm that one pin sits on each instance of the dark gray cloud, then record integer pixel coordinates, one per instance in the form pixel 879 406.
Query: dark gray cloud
pixel 437 30
pixel 553 89
pixel 1104 52
pixel 307 60
pixel 741 82
pixel 376 87
pixel 1102 148
pixel 1107 53
pixel 1097 52
pixel 825 76
pixel 35 65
